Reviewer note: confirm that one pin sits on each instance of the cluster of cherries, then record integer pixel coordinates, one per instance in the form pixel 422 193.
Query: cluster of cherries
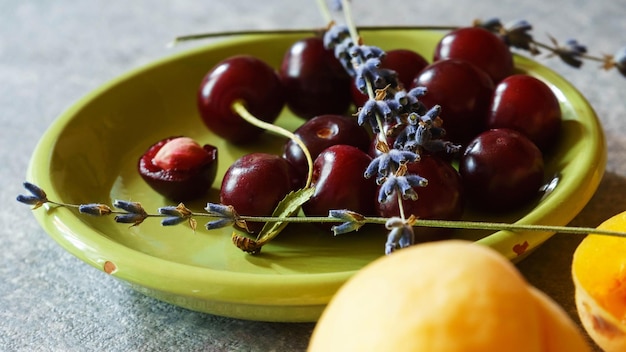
pixel 501 122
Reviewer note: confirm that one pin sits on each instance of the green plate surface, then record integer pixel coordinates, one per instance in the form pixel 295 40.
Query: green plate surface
pixel 89 155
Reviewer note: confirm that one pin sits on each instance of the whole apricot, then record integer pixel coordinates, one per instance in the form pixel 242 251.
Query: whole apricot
pixel 449 295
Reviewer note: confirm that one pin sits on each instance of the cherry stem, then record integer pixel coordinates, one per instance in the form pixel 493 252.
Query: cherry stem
pixel 239 108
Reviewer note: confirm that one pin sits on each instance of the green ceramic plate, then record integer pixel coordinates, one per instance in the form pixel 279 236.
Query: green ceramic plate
pixel 89 155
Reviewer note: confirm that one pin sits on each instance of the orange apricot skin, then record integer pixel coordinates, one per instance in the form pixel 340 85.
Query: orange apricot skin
pixel 599 275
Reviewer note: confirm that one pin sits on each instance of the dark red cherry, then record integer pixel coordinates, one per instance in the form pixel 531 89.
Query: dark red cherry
pixel 464 93
pixel 406 63
pixel 501 170
pixel 339 182
pixel 526 104
pixel 255 183
pixel 442 199
pixel 479 47
pixel 179 168
pixel 322 132
pixel 315 82
pixel 239 78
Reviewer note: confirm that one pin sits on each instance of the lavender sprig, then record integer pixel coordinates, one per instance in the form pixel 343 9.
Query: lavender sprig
pixel 388 103
pixel 517 35
pixel 348 220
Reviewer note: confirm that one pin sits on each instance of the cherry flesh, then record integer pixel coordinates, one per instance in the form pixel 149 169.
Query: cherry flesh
pixel 501 169
pixel 179 168
pixel 526 104
pixel 239 78
pixel 322 132
pixel 255 183
pixel 315 82
pixel 479 47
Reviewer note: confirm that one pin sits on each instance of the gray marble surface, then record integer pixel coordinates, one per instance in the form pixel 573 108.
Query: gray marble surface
pixel 54 52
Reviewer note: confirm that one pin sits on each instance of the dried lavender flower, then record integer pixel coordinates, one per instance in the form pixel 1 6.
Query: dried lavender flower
pixel 131 207
pixel 571 52
pixel 369 71
pixel 95 209
pixel 220 210
pixel 517 35
pixel 365 52
pixel 424 131
pixel 493 24
pixel 136 213
pixel 226 215
pixel 37 196
pixel 353 221
pixel 336 35
pixel 172 220
pixel 403 184
pixel 169 210
pixel 401 234
pixel 130 218
pixel 177 214
pixel 219 223
pixel 341 53
pixel 387 163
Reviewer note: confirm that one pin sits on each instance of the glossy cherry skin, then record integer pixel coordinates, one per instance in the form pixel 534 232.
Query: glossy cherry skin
pixel 189 182
pixel 315 82
pixel 464 93
pixel 479 47
pixel 339 182
pixel 501 170
pixel 255 183
pixel 406 63
pixel 442 199
pixel 322 132
pixel 526 104
pixel 243 78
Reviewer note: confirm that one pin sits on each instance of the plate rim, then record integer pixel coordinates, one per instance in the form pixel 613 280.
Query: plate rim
pixel 91 246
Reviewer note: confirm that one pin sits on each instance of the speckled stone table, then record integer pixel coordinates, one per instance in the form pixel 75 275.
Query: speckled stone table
pixel 52 53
